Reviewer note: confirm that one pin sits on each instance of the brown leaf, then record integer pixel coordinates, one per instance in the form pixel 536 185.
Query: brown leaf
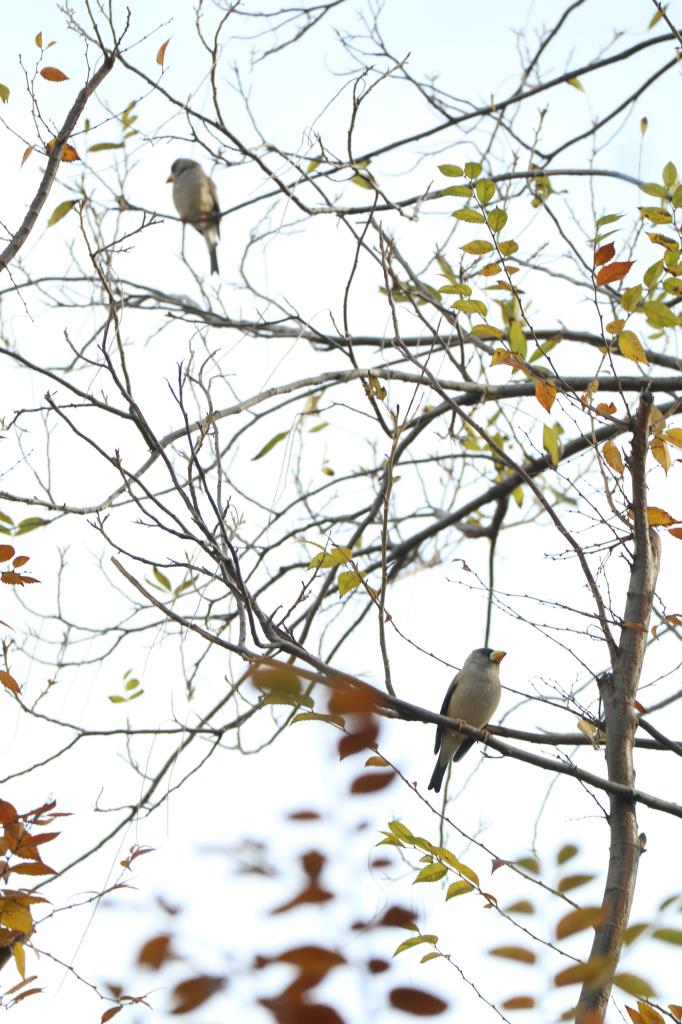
pixel 613 272
pixel 8 813
pixel 347 699
pixel 33 867
pixel 6 552
pixel 16 579
pixel 108 1014
pixel 523 956
pixel 9 681
pixel 194 991
pixel 416 1001
pixel 545 394
pixel 155 952
pixel 303 816
pixel 519 1003
pixel 676 533
pixel 370 782
pixel 53 75
pixel 27 153
pixel 161 53
pixel 397 917
pixel 604 253
pixel 360 739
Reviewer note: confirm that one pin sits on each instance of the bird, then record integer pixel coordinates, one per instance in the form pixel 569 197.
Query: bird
pixel 196 200
pixel 473 696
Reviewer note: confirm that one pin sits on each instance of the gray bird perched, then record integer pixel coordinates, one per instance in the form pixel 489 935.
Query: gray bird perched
pixel 196 200
pixel 473 696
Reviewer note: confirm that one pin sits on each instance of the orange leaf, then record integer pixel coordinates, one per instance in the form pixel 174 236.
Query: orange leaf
pixel 604 253
pixel 27 153
pixel 161 53
pixel 613 272
pixel 39 40
pixel 53 75
pixel 676 533
pixel 69 154
pixel 519 1003
pixel 6 552
pixel 545 394
pixel 607 408
pixel 9 681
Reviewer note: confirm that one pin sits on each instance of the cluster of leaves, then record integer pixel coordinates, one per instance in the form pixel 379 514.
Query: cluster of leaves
pixel 15 579
pixel 20 850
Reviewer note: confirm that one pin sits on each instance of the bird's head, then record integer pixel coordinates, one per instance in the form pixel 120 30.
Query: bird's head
pixel 178 166
pixel 486 656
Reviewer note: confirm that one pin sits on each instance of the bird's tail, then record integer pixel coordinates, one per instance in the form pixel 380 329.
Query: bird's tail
pixel 437 777
pixel 214 258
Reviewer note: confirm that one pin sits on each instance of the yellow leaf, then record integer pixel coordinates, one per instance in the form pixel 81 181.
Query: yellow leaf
pixel 661 452
pixel 659 517
pixel 39 40
pixel 673 436
pixel 518 953
pixel 61 211
pixel 348 581
pixel 615 326
pixel 20 958
pixel 631 347
pixel 612 457
pixel 578 921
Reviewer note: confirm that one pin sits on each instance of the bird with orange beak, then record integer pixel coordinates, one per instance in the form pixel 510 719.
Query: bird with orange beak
pixel 472 697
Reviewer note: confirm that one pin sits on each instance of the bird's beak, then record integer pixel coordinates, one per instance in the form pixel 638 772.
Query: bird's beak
pixel 170 178
pixel 497 656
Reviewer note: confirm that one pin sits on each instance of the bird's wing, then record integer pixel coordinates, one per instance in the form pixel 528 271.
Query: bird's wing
pixel 444 711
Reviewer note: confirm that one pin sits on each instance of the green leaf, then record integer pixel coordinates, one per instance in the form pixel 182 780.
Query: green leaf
pixel 463 191
pixel 609 218
pixel 653 274
pixel 61 211
pixel 430 956
pixel 677 197
pixel 470 306
pixel 517 339
pixel 99 147
pixel 472 169
pixel 4 93
pixel 550 442
pixel 485 190
pixel 521 907
pixel 117 700
pixel 270 445
pixel 508 248
pixel 567 852
pixel 431 873
pixel 652 189
pixel 544 348
pixel 669 174
pixel 497 219
pixel 576 83
pixel 479 247
pixel 416 940
pixel 316 716
pixel 362 181
pixel 672 935
pixel 450 170
pixel 455 289
pixel 293 700
pixel 469 215
pixel 163 580
pixel 132 684
pixel 32 523
pixel 634 985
